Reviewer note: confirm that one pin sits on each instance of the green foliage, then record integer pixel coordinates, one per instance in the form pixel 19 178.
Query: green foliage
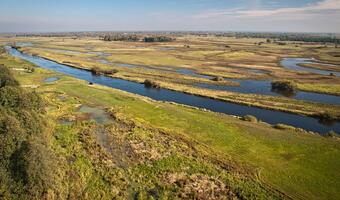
pixel 97 71
pixel 284 85
pixel 27 165
pixel 6 79
pixel 15 98
pixel 218 78
pixel 120 37
pixel 151 84
pixel 158 39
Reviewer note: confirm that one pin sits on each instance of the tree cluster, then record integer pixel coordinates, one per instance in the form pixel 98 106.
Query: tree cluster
pixel 158 39
pixel 117 37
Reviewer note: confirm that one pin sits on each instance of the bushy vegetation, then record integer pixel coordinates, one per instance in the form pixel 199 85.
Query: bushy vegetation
pixel 158 39
pixel 99 71
pixel 6 79
pixel 332 134
pixel 121 37
pixel 218 78
pixel 27 166
pixel 284 127
pixel 151 84
pixel 284 85
pixel 249 118
pixel 301 37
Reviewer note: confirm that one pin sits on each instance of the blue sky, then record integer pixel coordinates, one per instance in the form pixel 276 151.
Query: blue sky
pixel 149 15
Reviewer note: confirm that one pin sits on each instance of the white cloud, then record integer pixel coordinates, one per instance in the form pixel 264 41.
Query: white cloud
pixel 322 7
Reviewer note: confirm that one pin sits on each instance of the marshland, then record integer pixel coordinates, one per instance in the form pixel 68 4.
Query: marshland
pixel 170 114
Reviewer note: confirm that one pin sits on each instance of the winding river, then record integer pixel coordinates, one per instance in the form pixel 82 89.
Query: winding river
pixel 269 116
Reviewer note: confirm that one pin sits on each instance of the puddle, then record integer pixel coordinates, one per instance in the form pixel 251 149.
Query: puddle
pixel 97 114
pixel 51 79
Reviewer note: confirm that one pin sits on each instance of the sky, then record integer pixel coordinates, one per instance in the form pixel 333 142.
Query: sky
pixel 170 15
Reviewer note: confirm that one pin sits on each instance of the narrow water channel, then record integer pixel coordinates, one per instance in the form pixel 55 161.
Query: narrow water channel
pixel 269 116
pixel 293 64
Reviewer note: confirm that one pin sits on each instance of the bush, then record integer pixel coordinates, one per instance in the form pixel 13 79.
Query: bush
pixel 326 116
pixel 6 78
pixel 284 127
pixel 249 118
pixel 96 71
pixel 14 98
pixel 30 69
pixel 151 84
pixel 284 85
pixel 158 39
pixel 110 71
pixel 332 134
pixel 218 78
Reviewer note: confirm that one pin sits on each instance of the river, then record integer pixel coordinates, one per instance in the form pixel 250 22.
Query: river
pixel 269 116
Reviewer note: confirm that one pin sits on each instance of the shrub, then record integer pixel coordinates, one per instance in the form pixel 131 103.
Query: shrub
pixel 14 98
pixel 158 39
pixel 284 127
pixel 332 134
pixel 110 71
pixel 151 84
pixel 326 116
pixel 30 69
pixel 249 118
pixel 6 78
pixel 284 85
pixel 96 71
pixel 218 78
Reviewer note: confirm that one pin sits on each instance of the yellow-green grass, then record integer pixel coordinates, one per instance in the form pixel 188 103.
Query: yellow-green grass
pixel 321 88
pixel 301 165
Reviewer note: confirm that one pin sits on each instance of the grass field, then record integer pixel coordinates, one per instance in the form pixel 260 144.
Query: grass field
pixel 149 149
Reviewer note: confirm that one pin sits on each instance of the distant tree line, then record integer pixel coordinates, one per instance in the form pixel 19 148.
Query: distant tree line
pixel 158 39
pixel 130 38
pixel 300 37
pixel 135 38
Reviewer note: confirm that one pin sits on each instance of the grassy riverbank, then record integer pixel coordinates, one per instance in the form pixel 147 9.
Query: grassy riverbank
pixel 147 148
